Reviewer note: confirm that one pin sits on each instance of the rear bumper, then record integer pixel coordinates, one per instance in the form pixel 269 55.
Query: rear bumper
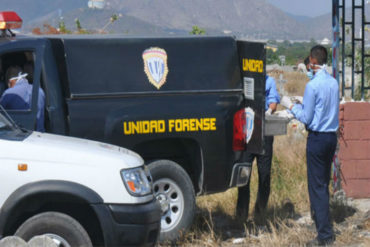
pixel 240 174
pixel 129 225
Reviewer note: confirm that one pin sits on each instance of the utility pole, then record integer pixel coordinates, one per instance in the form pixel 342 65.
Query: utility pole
pixel 282 60
pixel 281 84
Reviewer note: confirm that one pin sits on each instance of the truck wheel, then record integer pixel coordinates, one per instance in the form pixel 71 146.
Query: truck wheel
pixel 64 230
pixel 174 191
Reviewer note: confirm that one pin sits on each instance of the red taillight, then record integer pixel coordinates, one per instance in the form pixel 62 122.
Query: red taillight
pixel 240 131
pixel 10 20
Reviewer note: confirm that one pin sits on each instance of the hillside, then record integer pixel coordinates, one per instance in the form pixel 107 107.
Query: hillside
pixel 92 19
pixel 31 10
pixel 243 18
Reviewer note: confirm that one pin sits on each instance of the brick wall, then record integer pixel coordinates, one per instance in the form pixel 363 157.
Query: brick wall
pixel 354 153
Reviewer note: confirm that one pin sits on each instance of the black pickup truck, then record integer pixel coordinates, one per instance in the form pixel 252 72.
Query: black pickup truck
pixel 190 106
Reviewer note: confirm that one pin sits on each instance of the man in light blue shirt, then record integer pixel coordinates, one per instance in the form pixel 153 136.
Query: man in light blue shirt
pixel 272 95
pixel 263 161
pixel 320 108
pixel 319 112
pixel 18 96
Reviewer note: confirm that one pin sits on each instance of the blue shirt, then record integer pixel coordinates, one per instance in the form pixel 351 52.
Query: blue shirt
pixel 272 95
pixel 320 108
pixel 19 97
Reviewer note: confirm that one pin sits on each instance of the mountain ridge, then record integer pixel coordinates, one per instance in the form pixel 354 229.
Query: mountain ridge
pixel 242 18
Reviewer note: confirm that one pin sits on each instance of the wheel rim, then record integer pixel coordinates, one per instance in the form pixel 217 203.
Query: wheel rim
pixel 171 199
pixel 61 242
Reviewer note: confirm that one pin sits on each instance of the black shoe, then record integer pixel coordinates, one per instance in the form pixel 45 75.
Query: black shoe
pixel 320 242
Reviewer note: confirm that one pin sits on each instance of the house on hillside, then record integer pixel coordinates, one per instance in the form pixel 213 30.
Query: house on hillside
pixel 325 41
pixel 273 48
pixel 96 4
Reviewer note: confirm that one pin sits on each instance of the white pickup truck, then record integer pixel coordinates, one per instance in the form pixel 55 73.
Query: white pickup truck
pixel 78 192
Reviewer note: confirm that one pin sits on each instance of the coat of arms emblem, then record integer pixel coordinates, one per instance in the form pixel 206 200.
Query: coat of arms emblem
pixel 155 66
pixel 249 116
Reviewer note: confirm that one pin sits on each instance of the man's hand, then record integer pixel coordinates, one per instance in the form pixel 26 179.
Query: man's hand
pixel 286 102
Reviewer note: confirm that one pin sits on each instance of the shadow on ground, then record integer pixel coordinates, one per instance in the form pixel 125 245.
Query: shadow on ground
pixel 340 212
pixel 222 226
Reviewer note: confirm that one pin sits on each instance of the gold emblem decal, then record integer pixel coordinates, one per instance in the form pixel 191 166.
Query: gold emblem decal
pixel 155 66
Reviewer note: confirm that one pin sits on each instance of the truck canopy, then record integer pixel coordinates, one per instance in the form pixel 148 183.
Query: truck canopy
pixel 116 65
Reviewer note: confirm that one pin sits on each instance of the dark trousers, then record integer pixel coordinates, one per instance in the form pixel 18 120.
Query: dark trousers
pixel 320 150
pixel 264 175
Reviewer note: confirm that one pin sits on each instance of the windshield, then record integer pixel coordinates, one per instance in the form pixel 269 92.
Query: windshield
pixel 9 130
pixel 5 123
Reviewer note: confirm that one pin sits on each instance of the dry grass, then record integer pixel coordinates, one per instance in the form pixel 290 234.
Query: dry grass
pixel 295 82
pixel 216 224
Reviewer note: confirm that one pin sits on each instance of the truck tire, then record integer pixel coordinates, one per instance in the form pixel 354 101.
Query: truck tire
pixel 175 192
pixel 63 229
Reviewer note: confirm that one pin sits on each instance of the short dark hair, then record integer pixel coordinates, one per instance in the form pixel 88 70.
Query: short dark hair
pixel 12 72
pixel 320 53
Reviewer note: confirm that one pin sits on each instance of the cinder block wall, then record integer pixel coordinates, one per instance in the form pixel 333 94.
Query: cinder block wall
pixel 354 153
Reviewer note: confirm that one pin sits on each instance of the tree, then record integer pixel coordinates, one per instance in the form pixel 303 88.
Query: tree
pixel 78 24
pixel 294 52
pixel 358 67
pixel 197 31
pixel 47 29
pixel 112 19
pixel 272 57
pixel 80 30
pixel 62 28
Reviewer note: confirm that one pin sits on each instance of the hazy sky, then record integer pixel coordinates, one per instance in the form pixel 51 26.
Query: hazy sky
pixel 304 7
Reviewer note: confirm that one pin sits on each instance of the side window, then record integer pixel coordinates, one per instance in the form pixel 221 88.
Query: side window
pixel 16 78
pixel 21 94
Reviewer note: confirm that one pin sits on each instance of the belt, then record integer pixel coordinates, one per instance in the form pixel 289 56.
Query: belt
pixel 321 132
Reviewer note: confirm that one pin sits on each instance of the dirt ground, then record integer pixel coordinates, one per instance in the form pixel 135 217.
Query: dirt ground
pixel 281 226
pixel 287 222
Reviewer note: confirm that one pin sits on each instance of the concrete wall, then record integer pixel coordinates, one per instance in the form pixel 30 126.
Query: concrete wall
pixel 354 153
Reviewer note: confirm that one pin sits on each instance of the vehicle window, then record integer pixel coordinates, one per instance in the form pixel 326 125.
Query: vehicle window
pixel 9 130
pixel 5 124
pixel 16 78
